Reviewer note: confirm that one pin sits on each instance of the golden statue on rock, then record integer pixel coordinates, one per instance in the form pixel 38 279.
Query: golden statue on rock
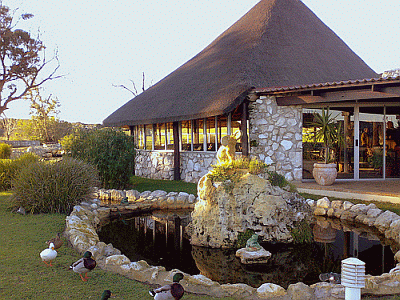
pixel 226 152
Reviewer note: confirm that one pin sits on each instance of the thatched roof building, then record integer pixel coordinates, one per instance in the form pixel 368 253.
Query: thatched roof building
pixel 277 43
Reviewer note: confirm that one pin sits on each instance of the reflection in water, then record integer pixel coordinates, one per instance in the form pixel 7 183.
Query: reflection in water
pixel 160 239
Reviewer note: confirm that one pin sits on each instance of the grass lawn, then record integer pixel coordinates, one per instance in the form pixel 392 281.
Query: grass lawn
pixel 24 276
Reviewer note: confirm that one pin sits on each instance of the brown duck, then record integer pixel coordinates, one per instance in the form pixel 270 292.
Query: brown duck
pixel 57 241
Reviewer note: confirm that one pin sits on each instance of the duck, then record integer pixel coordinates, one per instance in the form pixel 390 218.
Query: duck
pixel 106 295
pixel 57 241
pixel 172 291
pixel 48 255
pixel 330 277
pixel 84 265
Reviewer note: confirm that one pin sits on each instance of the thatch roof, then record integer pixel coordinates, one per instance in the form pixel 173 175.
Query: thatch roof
pixel 277 43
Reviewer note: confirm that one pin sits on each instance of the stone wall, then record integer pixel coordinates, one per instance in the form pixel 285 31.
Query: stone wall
pixel 276 136
pixel 22 143
pixel 160 164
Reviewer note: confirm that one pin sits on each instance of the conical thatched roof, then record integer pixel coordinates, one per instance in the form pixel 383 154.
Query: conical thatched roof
pixel 277 43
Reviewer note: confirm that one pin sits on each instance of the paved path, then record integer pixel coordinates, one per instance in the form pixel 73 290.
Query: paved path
pixel 378 190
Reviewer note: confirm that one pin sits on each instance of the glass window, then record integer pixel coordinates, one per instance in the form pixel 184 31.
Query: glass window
pixel 211 134
pixel 148 130
pixel 186 135
pixel 198 135
pixel 139 137
pixel 222 128
pixel 170 136
pixel 159 136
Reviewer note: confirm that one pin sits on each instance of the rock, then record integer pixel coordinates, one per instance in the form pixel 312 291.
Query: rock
pixel 327 291
pixel 324 203
pixel 238 290
pixel 248 257
pixel 299 291
pixel 117 260
pixel 253 203
pixel 386 284
pixel 132 195
pixel 269 290
pixel 384 220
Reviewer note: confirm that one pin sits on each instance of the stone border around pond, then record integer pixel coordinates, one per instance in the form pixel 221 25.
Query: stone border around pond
pixel 85 218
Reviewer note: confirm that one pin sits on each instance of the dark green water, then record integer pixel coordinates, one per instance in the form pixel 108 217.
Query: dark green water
pixel 161 240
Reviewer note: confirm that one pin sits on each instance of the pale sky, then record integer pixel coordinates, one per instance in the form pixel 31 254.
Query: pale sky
pixel 110 42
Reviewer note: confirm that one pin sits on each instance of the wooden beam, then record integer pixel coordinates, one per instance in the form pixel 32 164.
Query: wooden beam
pixel 338 96
pixel 177 154
pixel 245 143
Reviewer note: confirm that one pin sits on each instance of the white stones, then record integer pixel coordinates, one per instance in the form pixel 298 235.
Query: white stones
pixel 299 291
pixel 324 203
pixel 384 220
pixel 269 290
pixel 117 260
pixel 287 145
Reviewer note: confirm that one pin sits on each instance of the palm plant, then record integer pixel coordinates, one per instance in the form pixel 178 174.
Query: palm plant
pixel 327 131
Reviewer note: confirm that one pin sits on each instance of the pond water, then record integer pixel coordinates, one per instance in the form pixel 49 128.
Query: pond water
pixel 160 239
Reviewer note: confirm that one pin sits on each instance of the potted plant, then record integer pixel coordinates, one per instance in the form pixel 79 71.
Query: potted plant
pixel 326 131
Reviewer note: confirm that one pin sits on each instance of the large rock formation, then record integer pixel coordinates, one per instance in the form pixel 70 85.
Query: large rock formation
pixel 224 211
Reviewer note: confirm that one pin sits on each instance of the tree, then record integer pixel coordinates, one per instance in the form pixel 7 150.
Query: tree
pixel 22 60
pixel 133 90
pixel 47 127
pixel 110 150
pixel 8 125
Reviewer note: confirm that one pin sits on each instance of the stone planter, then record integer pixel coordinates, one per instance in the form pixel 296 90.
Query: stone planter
pixel 324 174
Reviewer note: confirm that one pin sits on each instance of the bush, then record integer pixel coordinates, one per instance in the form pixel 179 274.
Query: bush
pixel 54 186
pixel 111 151
pixel 280 180
pixel 9 168
pixel 5 151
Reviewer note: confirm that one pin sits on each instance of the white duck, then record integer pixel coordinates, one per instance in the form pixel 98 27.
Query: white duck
pixel 48 255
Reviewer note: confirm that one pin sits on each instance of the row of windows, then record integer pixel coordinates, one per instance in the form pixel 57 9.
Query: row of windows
pixel 194 135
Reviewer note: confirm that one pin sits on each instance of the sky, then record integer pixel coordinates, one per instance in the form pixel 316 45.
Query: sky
pixel 104 44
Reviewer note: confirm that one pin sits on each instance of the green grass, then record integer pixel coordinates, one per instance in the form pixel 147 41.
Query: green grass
pixel 143 184
pixel 24 276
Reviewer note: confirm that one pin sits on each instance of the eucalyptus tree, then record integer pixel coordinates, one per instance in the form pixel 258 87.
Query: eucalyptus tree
pixel 22 59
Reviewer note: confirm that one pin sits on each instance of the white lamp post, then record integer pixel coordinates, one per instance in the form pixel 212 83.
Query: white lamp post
pixel 353 277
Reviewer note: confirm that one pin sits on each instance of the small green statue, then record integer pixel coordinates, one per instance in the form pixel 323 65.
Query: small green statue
pixel 252 243
pixel 124 201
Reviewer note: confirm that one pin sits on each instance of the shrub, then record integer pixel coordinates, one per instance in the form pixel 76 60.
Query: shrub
pixel 111 151
pixel 5 151
pixel 234 170
pixel 277 179
pixel 54 186
pixel 9 168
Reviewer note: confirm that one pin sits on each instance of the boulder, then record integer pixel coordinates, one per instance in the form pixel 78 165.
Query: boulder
pixel 249 257
pixel 252 203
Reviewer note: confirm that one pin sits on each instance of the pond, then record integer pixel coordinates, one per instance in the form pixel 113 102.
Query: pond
pixel 161 239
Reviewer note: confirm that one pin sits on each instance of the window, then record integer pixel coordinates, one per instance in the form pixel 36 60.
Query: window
pixel 159 136
pixel 198 135
pixel 169 136
pixel 148 130
pixel 186 135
